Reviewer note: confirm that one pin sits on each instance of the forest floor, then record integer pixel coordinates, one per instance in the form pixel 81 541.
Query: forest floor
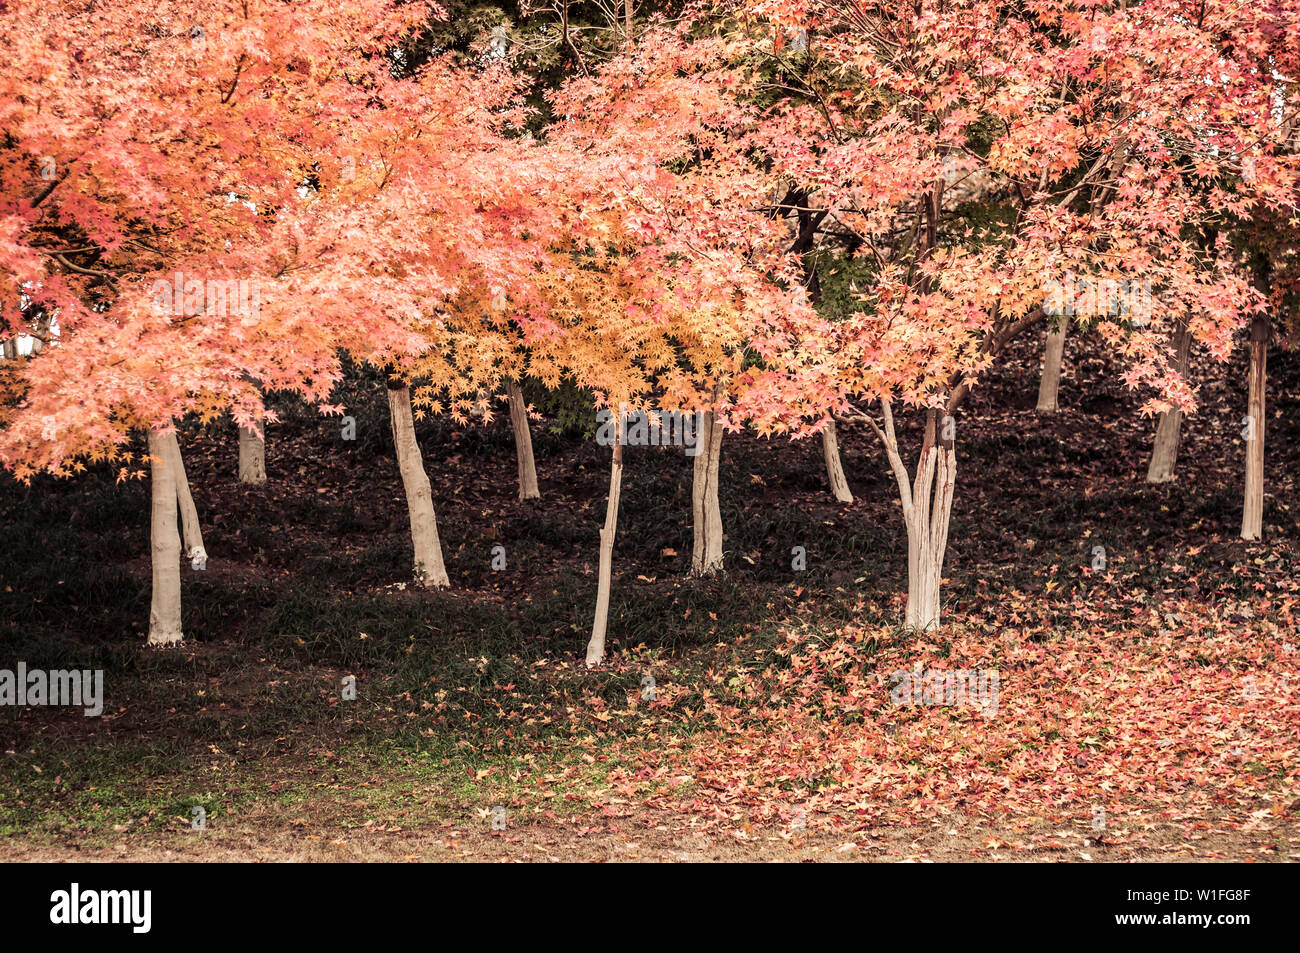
pixel 1147 710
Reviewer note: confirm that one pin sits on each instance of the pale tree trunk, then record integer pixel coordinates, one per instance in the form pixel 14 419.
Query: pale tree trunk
pixel 1252 516
pixel 429 568
pixel 252 456
pixel 165 546
pixel 528 489
pixel 834 468
pixel 596 646
pixel 189 513
pixel 1164 452
pixel 927 510
pixel 1050 383
pixel 706 514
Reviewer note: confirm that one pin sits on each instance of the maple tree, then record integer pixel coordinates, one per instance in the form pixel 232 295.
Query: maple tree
pixel 476 221
pixel 153 162
pixel 1264 36
pixel 1112 155
pixel 1257 34
pixel 458 215
pixel 663 131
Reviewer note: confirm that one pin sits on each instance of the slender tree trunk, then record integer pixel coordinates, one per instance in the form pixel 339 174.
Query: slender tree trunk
pixel 252 456
pixel 596 646
pixel 528 489
pixel 189 513
pixel 1050 383
pixel 706 557
pixel 932 544
pixel 1164 452
pixel 429 568
pixel 927 512
pixel 165 546
pixel 834 468
pixel 1252 516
